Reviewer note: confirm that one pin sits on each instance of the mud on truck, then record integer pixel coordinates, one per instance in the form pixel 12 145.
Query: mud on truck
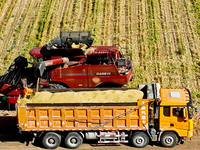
pixel 68 61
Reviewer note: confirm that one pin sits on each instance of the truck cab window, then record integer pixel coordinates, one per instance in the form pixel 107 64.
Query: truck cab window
pixel 178 112
pixel 166 111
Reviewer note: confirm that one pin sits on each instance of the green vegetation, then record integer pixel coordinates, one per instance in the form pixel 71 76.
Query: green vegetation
pixel 43 18
pixel 161 35
pixel 196 98
pixel 196 10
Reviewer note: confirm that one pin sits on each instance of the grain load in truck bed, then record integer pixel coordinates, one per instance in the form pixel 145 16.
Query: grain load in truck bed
pixel 109 96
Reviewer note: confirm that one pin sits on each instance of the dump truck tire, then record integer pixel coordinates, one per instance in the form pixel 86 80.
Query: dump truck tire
pixel 139 139
pixel 73 140
pixel 51 140
pixel 169 139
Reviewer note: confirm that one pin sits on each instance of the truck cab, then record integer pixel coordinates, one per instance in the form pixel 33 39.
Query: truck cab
pixel 176 112
pixel 170 115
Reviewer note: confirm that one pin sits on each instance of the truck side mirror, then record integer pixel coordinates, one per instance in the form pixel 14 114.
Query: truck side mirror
pixel 196 109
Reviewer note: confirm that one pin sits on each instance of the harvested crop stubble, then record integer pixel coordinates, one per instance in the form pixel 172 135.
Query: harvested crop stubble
pixel 110 96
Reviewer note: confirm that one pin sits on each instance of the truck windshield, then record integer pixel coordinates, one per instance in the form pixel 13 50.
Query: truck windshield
pixel 190 111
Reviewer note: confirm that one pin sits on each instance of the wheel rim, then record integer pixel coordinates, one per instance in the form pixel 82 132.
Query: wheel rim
pixel 73 141
pixel 51 141
pixel 169 140
pixel 139 140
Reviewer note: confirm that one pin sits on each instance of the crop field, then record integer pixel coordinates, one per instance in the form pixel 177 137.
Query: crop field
pixel 162 36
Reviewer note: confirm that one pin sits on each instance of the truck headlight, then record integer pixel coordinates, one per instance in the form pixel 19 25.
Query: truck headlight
pixel 191 133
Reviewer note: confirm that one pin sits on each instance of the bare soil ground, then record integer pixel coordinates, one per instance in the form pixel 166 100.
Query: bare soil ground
pixel 197 124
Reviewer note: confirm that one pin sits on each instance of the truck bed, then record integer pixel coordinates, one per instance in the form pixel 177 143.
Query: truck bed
pixel 63 117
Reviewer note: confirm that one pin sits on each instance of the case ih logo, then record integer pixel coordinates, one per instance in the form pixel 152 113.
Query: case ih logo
pixel 103 73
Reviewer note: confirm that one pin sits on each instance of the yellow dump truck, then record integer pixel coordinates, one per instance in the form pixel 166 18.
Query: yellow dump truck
pixel 162 115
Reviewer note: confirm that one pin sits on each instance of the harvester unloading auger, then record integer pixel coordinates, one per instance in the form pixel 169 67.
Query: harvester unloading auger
pixel 64 41
pixel 68 61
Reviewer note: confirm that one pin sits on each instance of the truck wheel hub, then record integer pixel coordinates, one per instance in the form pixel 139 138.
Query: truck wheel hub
pixel 51 141
pixel 139 140
pixel 73 141
pixel 169 140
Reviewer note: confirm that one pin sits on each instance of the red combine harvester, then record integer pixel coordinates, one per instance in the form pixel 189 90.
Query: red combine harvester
pixel 60 65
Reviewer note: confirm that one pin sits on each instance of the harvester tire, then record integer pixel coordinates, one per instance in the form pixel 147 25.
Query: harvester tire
pixel 57 86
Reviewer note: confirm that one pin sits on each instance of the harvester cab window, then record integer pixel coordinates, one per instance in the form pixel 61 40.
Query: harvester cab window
pixel 121 62
pixel 166 111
